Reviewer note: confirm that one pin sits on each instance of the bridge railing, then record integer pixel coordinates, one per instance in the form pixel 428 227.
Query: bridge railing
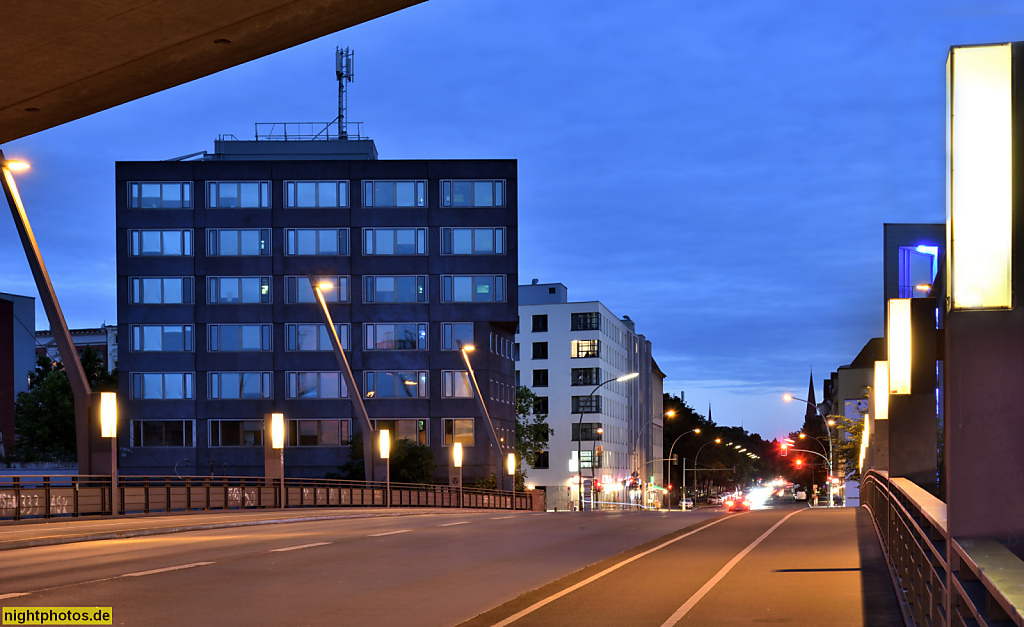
pixel 941 580
pixel 57 496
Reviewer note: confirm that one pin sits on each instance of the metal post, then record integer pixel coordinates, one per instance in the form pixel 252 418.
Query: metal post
pixel 487 416
pixel 115 500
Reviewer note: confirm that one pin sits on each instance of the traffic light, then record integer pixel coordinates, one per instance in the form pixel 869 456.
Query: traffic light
pixel 784 448
pixel 799 463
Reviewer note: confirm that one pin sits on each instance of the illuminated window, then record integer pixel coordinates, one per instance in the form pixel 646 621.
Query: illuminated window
pixel 456 384
pixel 414 430
pixel 585 348
pixel 458 430
pixel 917 268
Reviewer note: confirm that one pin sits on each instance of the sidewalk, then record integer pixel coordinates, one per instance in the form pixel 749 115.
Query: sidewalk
pixel 31 533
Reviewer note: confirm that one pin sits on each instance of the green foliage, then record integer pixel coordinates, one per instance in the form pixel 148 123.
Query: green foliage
pixel 44 416
pixel 353 469
pixel 410 463
pixel 491 483
pixel 532 430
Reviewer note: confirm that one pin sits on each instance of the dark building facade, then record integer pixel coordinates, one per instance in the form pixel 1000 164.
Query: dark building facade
pixel 218 324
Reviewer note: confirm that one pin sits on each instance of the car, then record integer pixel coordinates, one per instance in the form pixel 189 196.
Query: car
pixel 737 504
pixel 715 499
pixel 688 503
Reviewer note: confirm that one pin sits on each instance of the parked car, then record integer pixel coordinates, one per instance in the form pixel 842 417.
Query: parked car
pixel 688 503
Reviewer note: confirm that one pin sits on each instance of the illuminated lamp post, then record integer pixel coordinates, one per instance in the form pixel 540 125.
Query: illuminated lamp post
pixel 277 443
pixel 512 472
pixel 695 458
pixel 385 454
pixel 682 493
pixel 828 432
pixel 457 461
pixel 108 428
pixel 579 429
pixel 465 349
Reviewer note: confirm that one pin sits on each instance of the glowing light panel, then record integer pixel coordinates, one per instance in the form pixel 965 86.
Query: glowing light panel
pixel 276 431
pixel 899 346
pixel 979 182
pixel 385 444
pixel 881 390
pixel 108 414
pixel 457 455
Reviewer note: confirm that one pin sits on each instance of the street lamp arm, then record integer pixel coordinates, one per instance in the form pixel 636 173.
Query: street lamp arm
pixel 803 450
pixel 579 431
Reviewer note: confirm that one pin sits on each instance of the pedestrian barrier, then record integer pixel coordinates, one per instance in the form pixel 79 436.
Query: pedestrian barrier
pixel 56 496
pixel 941 580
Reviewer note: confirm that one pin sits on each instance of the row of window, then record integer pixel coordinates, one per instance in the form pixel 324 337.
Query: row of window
pixel 298 432
pixel 578 349
pixel 332 194
pixel 300 385
pixel 236 290
pixel 580 405
pixel 578 376
pixel 586 321
pixel 257 337
pixel 316 241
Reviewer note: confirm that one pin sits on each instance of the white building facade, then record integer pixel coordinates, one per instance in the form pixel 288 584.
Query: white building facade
pixel 569 354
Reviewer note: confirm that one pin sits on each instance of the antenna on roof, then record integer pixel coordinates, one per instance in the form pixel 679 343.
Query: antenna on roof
pixel 343 58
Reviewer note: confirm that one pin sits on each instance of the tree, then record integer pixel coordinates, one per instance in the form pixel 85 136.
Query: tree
pixel 532 430
pixel 44 416
pixel 410 463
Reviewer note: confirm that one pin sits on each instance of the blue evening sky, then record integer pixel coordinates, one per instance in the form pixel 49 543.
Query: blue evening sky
pixel 718 171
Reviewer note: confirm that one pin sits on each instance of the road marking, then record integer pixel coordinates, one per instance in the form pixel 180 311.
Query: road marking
pixel 389 533
pixel 692 601
pixel 501 518
pixel 593 578
pixel 11 595
pixel 296 548
pixel 464 522
pixel 168 569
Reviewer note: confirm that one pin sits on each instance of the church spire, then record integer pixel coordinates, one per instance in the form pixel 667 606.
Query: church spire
pixel 811 415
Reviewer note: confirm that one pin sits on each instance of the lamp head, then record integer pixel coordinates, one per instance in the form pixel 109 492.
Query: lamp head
pixel 787 397
pixel 14 165
pixel 696 430
pixel 627 377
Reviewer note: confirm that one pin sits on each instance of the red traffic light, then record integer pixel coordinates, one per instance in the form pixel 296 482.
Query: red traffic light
pixel 799 463
pixel 784 448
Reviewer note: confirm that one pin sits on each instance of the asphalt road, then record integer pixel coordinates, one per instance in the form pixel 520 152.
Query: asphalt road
pixel 482 568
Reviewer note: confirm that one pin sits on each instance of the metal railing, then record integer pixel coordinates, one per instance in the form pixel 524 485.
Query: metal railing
pixel 940 580
pixel 57 496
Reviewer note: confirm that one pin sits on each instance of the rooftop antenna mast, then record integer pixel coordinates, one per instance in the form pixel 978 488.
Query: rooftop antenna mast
pixel 343 58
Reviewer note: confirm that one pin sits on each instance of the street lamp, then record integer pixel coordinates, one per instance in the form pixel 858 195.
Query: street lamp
pixel 695 457
pixel 512 472
pixel 108 429
pixel 357 399
pixel 828 433
pixel 277 443
pixel 667 475
pixel 579 430
pixel 457 460
pixel 478 393
pixel 385 454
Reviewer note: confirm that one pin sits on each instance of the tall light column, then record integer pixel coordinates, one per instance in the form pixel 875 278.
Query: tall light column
pixel 672 448
pixel 478 393
pixel 579 430
pixel 828 433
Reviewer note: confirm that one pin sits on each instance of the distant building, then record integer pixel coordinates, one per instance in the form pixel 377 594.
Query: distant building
pixel 564 350
pixel 102 339
pixel 221 327
pixel 17 359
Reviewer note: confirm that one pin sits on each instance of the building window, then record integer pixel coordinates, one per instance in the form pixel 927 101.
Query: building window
pixel 475 241
pixel 542 461
pixel 586 376
pixel 324 242
pixel 172 195
pixel 540 406
pixel 314 337
pixel 238 195
pixel 585 348
pixel 238 290
pixel 456 384
pixel 394 193
pixel 236 432
pixel 414 430
pixel 540 378
pixel 590 431
pixel 391 337
pixel 458 430
pixel 588 459
pixel 590 321
pixel 515 351
pixel 586 404
pixel 395 384
pixel 170 338
pixel 237 242
pixel 240 337
pixel 455 332
pixel 394 241
pixel 298 290
pixel 316 385
pixel 472 193
pixel 317 433
pixel 170 243
pixel 395 289
pixel 241 385
pixel 315 194
pixel 540 350
pixel 163 385
pixel 154 433
pixel 161 290
pixel 473 289
pixel 540 323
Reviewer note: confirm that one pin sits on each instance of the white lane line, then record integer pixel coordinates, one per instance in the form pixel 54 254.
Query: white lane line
pixel 168 569
pixel 464 522
pixel 501 518
pixel 296 548
pixel 593 578
pixel 692 601
pixel 11 595
pixel 389 533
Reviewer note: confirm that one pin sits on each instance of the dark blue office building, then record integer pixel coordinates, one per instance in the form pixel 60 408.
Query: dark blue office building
pixel 219 325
